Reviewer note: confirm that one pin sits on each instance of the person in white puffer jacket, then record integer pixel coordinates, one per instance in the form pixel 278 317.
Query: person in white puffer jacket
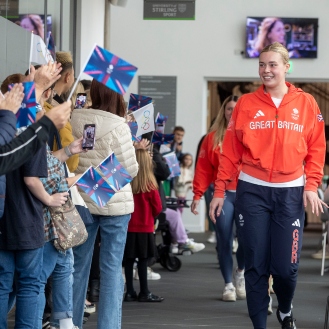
pixel 112 135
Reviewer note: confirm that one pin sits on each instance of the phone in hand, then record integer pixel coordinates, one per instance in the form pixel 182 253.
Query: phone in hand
pixel 88 141
pixel 80 101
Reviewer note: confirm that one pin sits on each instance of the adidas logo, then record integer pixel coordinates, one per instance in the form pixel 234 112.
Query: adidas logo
pixel 259 114
pixel 296 223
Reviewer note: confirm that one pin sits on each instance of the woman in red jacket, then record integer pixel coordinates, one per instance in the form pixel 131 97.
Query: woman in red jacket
pixel 140 239
pixel 276 139
pixel 205 174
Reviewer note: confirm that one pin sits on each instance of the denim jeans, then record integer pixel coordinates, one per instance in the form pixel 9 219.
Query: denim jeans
pixel 28 265
pixel 224 233
pixel 113 232
pixel 60 266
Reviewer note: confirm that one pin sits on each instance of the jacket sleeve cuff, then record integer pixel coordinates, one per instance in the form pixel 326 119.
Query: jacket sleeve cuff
pixel 219 189
pixel 311 186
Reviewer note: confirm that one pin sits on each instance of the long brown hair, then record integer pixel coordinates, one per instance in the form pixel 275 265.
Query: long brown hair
pixel 105 99
pixel 145 180
pixel 220 123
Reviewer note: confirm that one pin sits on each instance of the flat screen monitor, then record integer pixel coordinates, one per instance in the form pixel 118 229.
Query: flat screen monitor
pixel 33 22
pixel 298 35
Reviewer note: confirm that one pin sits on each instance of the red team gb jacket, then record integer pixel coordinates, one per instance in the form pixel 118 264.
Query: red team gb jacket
pixel 207 167
pixel 274 144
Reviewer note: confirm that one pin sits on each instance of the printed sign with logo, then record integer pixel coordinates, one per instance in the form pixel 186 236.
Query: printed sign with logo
pixel 169 10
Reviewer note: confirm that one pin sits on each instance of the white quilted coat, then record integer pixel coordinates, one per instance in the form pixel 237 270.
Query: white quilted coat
pixel 112 135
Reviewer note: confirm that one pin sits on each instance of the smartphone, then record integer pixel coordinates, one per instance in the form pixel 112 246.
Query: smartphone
pixel 80 100
pixel 88 141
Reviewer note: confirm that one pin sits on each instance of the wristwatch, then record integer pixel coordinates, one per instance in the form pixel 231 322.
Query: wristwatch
pixel 67 151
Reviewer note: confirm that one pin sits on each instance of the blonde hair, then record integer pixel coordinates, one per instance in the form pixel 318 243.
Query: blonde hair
pixel 264 30
pixel 145 180
pixel 65 58
pixel 220 123
pixel 277 48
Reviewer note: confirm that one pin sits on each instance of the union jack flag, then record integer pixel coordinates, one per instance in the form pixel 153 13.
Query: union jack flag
pixel 159 138
pixel 27 112
pixel 138 101
pixel 173 164
pixel 320 117
pixel 95 187
pixel 161 119
pixel 133 128
pixel 110 70
pixel 116 174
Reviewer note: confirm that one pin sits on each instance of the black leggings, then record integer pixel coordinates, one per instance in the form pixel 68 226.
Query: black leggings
pixel 142 273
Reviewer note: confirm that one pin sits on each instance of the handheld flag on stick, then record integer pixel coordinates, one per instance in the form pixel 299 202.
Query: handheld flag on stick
pixel 138 101
pixel 110 70
pixel 27 112
pixel 159 138
pixel 145 119
pixel 39 54
pixel 161 119
pixel 116 174
pixel 133 128
pixel 173 164
pixel 95 187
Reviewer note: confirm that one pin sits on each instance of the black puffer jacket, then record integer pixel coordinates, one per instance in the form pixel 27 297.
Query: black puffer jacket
pixel 161 173
pixel 7 133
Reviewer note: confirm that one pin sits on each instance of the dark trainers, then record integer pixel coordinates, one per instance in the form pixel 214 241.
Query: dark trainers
pixel 288 322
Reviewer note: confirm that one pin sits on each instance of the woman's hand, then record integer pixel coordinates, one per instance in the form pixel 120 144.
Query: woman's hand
pixel 215 209
pixel 12 99
pixel 143 144
pixel 57 199
pixel 76 147
pixel 194 207
pixel 316 203
pixel 44 77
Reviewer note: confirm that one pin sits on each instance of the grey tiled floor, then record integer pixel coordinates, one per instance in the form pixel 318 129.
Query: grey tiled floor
pixel 192 295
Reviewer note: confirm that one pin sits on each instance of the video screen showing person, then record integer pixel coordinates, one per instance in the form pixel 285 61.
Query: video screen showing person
pixel 33 22
pixel 298 35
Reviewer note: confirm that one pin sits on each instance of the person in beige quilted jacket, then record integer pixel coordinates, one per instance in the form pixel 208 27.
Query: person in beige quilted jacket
pixel 112 135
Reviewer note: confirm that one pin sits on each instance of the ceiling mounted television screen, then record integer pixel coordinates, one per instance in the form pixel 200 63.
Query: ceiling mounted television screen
pixel 298 35
pixel 33 22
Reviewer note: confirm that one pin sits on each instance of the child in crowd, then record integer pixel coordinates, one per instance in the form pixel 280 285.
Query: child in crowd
pixel 140 240
pixel 183 183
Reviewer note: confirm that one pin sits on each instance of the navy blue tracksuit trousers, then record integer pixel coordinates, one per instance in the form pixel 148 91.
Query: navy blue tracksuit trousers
pixel 271 221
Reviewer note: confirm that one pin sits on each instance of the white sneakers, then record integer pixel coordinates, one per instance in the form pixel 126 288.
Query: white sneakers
pixel 239 284
pixel 212 237
pixel 150 275
pixel 194 246
pixel 229 294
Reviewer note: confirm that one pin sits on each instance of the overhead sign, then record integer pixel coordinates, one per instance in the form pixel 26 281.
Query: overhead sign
pixel 162 90
pixel 169 10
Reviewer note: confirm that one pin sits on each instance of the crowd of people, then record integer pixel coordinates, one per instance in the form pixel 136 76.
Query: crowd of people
pixel 258 166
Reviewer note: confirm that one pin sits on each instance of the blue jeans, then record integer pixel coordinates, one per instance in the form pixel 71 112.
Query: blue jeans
pixel 224 232
pixel 60 266
pixel 113 232
pixel 28 265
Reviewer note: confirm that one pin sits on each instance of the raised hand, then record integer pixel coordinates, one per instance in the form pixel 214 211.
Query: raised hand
pixel 12 99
